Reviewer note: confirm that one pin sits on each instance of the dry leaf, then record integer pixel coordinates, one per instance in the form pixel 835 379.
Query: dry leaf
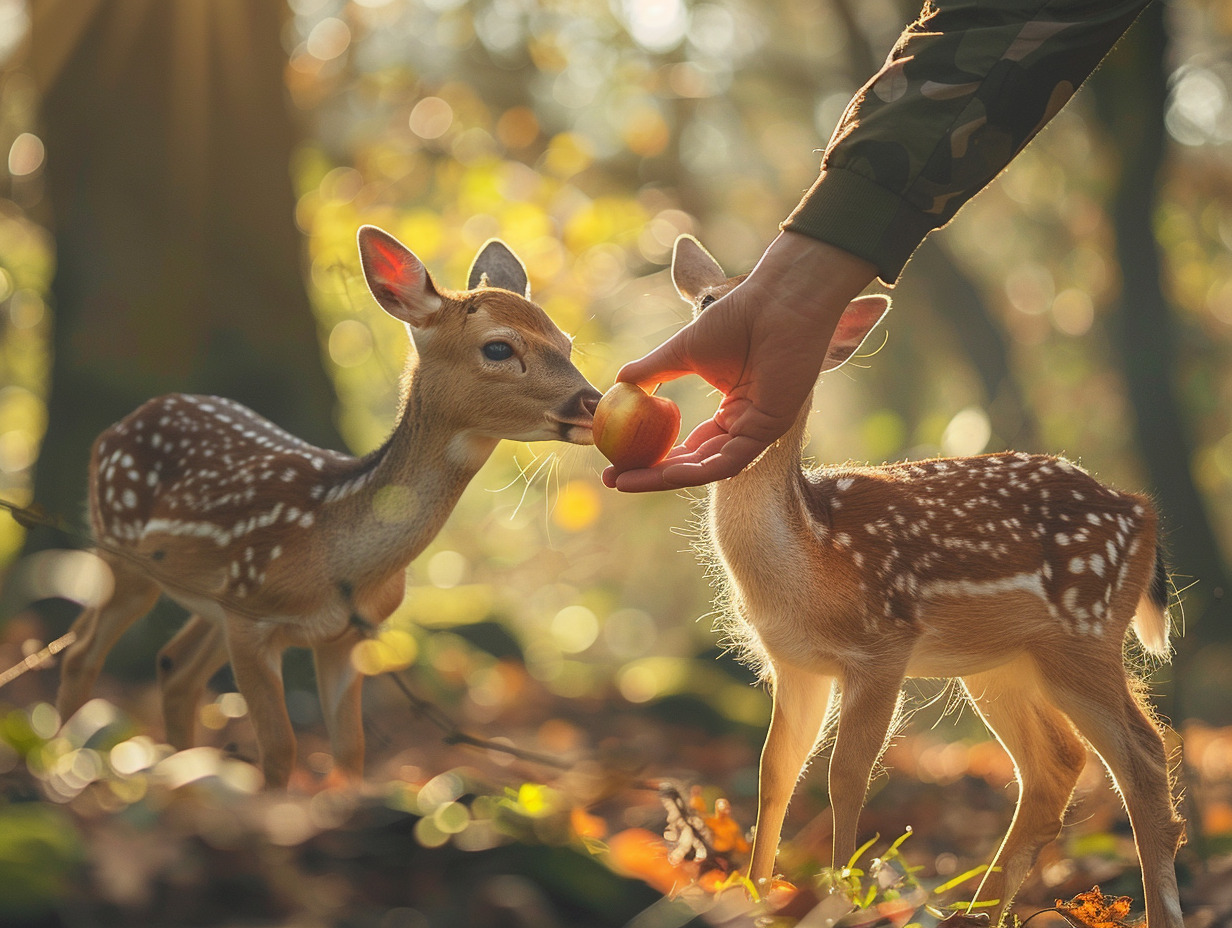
pixel 1093 909
pixel 640 853
pixel 686 832
pixel 585 825
pixel 726 833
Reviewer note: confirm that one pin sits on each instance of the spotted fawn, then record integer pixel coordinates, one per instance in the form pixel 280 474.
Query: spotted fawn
pixel 1017 574
pixel 270 542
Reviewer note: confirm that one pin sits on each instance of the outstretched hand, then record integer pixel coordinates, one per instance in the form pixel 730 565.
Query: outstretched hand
pixel 762 346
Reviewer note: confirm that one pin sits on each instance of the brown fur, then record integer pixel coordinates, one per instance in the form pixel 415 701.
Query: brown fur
pixel 272 543
pixel 1018 574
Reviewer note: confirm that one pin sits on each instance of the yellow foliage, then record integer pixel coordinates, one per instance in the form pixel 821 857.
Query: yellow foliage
pixel 545 52
pixel 479 189
pixel 517 127
pixel 646 132
pixel 432 607
pixel 423 232
pixel 568 153
pixel 578 505
pixel 22 410
pixel 535 800
pixel 12 537
pixel 392 649
pixel 605 220
pixel 524 223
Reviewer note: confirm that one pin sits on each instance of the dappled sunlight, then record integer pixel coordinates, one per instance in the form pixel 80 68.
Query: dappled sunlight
pixel 564 631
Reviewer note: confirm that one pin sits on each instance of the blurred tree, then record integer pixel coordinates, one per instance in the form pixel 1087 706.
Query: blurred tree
pixel 939 280
pixel 177 260
pixel 1131 93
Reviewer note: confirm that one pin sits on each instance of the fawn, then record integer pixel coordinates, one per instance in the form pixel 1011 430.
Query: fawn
pixel 270 542
pixel 1017 574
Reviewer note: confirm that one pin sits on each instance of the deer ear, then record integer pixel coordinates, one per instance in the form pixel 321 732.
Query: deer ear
pixel 693 268
pixel 398 280
pixel 497 266
pixel 857 321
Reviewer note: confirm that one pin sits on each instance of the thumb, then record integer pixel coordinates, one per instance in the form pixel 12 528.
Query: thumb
pixel 667 362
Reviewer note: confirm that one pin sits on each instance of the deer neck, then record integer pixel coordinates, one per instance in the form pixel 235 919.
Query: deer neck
pixel 754 505
pixel 772 473
pixel 395 500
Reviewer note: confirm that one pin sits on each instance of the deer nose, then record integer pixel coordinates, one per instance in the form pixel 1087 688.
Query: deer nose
pixel 590 400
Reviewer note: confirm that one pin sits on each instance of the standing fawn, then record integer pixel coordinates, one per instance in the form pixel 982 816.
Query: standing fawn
pixel 1017 574
pixel 270 542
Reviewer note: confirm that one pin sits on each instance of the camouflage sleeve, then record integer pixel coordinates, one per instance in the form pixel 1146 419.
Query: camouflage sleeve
pixel 964 89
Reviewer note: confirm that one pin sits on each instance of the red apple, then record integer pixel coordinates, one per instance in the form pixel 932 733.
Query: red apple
pixel 633 428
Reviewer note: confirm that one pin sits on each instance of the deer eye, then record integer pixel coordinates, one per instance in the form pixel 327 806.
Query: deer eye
pixel 498 351
pixel 706 301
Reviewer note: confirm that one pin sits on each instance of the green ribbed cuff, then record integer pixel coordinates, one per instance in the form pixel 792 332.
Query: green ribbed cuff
pixel 851 212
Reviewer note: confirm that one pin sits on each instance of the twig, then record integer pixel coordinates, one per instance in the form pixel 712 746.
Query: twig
pixel 39 658
pixel 451 731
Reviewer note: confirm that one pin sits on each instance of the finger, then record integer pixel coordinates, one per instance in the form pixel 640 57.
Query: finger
pixel 667 362
pixel 703 433
pixel 716 459
pixel 643 480
pixel 731 457
pixel 706 450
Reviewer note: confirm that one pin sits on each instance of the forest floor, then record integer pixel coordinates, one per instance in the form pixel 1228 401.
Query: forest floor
pixel 100 825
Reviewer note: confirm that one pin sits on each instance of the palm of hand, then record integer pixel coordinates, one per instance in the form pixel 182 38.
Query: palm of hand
pixel 764 357
pixel 762 345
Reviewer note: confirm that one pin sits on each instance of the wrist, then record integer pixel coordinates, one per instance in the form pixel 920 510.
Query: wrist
pixel 811 277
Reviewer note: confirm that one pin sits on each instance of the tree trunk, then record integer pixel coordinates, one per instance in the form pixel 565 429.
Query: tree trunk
pixel 178 264
pixel 1131 91
pixel 953 293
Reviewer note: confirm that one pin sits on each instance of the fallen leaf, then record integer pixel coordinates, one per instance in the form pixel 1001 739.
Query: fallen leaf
pixel 643 854
pixel 1093 909
pixel 726 833
pixel 585 825
pixel 686 832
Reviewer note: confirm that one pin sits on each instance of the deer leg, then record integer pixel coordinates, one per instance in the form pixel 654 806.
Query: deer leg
pixel 1104 708
pixel 1048 759
pixel 799 709
pixel 185 665
pixel 867 710
pixel 340 688
pixel 98 629
pixel 258 674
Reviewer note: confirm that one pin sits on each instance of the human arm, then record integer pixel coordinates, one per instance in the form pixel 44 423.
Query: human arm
pixel 965 88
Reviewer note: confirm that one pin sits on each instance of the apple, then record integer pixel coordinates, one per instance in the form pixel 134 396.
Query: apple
pixel 633 428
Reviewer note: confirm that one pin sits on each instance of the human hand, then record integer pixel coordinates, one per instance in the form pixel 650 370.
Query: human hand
pixel 762 345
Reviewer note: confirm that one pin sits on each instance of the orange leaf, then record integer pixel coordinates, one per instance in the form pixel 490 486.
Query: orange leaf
pixel 727 835
pixel 696 802
pixel 712 881
pixel 642 854
pixel 586 825
pixel 898 912
pixel 1095 910
pixel 780 892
